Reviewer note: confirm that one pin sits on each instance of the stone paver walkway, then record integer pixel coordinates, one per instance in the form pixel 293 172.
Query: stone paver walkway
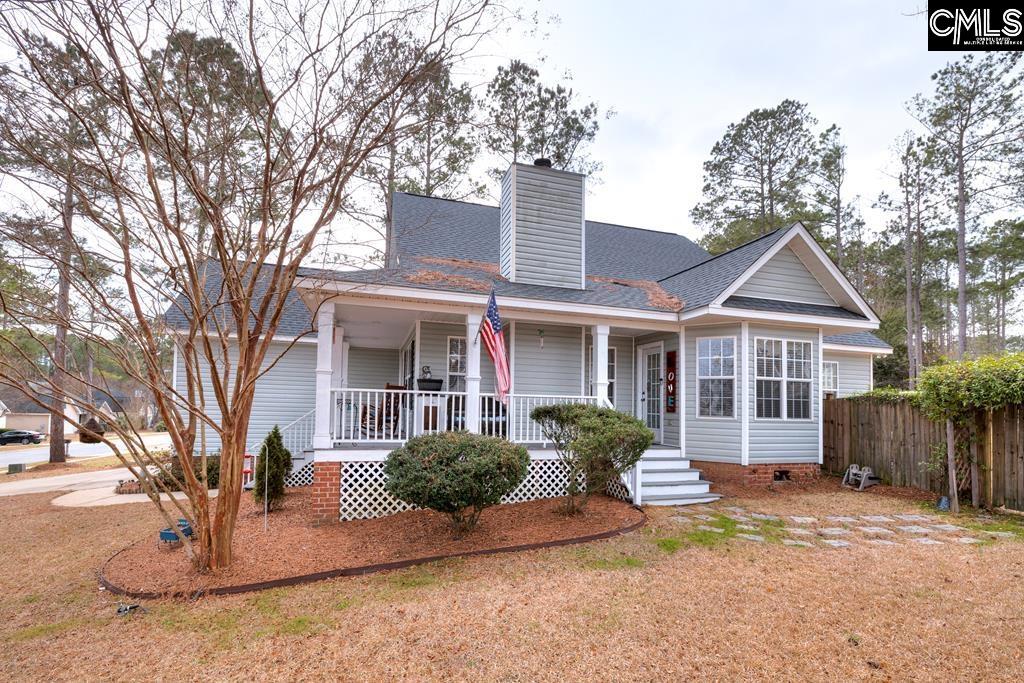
pixel 834 531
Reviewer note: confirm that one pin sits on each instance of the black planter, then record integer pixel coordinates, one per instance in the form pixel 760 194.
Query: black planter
pixel 429 384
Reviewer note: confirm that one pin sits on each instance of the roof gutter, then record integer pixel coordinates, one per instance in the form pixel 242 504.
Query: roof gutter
pixel 465 298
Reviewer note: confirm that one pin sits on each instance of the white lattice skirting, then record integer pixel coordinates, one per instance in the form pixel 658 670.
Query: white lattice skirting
pixel 363 495
pixel 300 477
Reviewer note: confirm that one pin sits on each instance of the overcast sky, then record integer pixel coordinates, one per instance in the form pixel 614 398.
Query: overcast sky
pixel 678 73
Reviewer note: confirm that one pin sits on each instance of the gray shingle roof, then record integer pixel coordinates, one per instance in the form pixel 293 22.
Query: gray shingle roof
pixel 453 246
pixel 295 319
pixel 755 304
pixel 862 338
pixel 701 284
pixel 478 277
pixel 427 226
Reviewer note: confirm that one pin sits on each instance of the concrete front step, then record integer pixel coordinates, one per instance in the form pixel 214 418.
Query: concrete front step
pixel 680 498
pixel 665 460
pixel 667 474
pixel 676 486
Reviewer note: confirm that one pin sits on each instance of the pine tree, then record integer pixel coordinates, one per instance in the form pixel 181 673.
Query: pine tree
pixel 757 177
pixel 278 459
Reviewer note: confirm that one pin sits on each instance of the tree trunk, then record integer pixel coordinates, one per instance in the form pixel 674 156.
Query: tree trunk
pixel 908 269
pixel 961 254
pixel 58 453
pixel 390 248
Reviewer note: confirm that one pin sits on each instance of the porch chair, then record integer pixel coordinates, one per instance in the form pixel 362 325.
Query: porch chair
pixel 382 420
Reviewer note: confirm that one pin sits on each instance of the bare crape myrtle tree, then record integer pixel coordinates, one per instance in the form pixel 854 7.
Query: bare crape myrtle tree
pixel 200 148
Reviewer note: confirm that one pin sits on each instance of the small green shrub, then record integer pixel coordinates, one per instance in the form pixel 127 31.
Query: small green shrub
pixel 596 445
pixel 171 474
pixel 92 431
pixel 273 465
pixel 456 473
pixel 888 395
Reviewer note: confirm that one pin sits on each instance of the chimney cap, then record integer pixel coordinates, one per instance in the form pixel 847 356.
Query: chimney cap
pixel 542 162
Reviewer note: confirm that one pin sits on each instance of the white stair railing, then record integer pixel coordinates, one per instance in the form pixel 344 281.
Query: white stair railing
pixel 298 434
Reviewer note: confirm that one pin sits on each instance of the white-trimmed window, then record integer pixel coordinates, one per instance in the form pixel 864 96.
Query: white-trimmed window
pixel 611 372
pixel 768 378
pixel 830 376
pixel 456 379
pixel 716 377
pixel 783 379
pixel 799 376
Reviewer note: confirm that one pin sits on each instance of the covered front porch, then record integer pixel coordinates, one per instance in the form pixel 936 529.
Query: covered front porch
pixel 388 371
pixel 386 374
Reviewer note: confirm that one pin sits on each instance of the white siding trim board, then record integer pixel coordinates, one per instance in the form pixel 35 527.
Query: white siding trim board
pixel 821 403
pixel 745 392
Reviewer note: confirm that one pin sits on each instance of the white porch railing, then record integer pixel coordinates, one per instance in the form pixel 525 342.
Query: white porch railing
pixel 362 416
pixel 389 415
pixel 522 428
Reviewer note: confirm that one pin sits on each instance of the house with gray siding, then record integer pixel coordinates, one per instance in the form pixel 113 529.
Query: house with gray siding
pixel 727 358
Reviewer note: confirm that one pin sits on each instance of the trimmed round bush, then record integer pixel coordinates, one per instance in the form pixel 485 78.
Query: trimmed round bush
pixel 596 445
pixel 456 473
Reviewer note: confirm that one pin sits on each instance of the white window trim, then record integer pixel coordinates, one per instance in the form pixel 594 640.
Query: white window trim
pixel 833 363
pixel 698 377
pixel 785 379
pixel 447 364
pixel 781 379
pixel 613 358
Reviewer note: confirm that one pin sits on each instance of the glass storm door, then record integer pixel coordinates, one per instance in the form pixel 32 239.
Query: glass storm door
pixel 651 397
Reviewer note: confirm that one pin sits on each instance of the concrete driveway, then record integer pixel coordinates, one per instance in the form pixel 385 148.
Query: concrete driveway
pixel 33 454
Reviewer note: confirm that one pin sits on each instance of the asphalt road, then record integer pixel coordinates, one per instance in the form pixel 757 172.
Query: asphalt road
pixel 16 453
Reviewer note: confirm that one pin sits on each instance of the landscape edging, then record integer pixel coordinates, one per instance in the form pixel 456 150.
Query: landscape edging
pixel 301 579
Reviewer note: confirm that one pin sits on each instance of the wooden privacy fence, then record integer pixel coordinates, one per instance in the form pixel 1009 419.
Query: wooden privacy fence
pixel 905 448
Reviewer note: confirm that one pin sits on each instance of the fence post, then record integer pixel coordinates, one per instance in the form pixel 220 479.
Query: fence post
pixel 989 459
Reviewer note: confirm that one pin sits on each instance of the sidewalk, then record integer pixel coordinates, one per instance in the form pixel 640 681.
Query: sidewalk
pixel 97 479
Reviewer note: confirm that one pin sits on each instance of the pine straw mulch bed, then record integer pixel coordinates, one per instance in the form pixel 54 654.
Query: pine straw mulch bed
pixel 293 551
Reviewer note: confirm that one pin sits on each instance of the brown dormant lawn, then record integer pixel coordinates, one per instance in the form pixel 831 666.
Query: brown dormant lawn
pixel 653 605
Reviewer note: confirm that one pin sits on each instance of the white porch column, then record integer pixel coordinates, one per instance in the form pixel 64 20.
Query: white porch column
pixel 473 372
pixel 338 358
pixel 324 354
pixel 599 363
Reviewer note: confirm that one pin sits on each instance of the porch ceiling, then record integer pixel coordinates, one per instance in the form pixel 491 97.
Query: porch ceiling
pixel 383 328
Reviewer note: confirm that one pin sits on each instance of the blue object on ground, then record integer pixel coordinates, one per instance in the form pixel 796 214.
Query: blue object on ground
pixel 168 536
pixel 943 504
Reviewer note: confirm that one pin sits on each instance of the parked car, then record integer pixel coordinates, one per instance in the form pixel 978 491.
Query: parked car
pixel 22 436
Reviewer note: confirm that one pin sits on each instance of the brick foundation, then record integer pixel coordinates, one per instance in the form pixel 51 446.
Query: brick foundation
pixel 326 492
pixel 755 475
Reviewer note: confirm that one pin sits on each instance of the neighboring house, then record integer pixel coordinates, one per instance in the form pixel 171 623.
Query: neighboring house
pixel 23 412
pixel 726 358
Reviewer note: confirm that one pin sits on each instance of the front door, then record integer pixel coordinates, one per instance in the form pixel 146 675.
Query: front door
pixel 652 388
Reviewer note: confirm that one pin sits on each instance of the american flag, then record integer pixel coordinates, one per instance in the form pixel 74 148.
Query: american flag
pixel 494 340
